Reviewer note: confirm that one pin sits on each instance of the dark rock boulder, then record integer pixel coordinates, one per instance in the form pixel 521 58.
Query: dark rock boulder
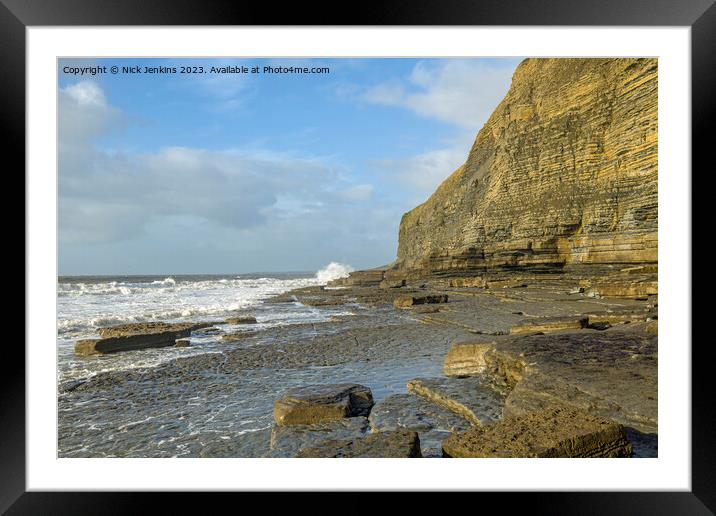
pixel 409 301
pixel 320 403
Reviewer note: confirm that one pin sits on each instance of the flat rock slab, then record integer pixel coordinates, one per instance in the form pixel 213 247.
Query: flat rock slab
pixel 425 309
pixel 320 403
pixel 612 373
pixel 614 318
pixel 240 335
pixel 400 443
pixel 87 347
pixel 134 336
pixel 467 358
pixel 210 330
pixel 392 283
pixel 470 398
pixel 241 320
pixel 408 301
pixel 121 330
pixel 287 441
pixel 630 288
pixel 432 422
pixel 557 432
pixel 550 324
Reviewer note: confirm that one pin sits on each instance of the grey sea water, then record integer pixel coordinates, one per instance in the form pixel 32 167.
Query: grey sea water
pixel 85 303
pixel 146 403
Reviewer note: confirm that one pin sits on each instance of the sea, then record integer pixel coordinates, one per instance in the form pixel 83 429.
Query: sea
pixel 86 303
pixel 211 412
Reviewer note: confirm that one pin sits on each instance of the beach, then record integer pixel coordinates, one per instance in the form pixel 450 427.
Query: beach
pixel 215 398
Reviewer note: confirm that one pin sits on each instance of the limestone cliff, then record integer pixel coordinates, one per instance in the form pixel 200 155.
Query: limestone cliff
pixel 563 173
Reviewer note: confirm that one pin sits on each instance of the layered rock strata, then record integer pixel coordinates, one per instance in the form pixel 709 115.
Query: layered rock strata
pixel 467 358
pixel 611 374
pixel 557 432
pixel 562 177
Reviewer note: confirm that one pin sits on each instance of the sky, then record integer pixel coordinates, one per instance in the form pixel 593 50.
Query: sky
pixel 188 173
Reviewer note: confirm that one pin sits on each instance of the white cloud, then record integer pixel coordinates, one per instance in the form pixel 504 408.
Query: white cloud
pixel 256 207
pixel 86 93
pixel 357 193
pixel 388 93
pixel 197 210
pixel 84 113
pixel 463 92
pixel 422 173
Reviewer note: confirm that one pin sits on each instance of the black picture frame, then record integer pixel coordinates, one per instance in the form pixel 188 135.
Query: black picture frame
pixel 700 15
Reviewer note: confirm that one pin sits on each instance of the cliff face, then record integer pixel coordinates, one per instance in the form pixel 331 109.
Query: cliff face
pixel 563 173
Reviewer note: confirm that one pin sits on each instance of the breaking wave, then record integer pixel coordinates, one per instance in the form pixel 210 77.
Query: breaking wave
pixel 332 271
pixel 83 306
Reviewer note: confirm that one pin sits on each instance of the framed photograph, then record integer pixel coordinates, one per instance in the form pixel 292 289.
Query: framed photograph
pixel 258 248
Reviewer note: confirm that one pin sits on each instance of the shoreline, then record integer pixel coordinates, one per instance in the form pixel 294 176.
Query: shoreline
pixel 199 405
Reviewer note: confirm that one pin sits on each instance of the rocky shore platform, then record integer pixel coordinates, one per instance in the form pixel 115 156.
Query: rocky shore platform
pixel 529 368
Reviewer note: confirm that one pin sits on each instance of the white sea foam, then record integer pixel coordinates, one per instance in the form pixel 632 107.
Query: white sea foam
pixel 84 305
pixel 332 271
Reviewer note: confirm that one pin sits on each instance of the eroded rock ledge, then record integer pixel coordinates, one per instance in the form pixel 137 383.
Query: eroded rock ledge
pixel 128 337
pixel 556 432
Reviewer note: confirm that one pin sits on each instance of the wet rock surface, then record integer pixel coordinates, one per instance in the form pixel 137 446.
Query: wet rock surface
pixel 470 398
pixel 121 330
pixel 246 319
pixel 320 403
pixel 125 343
pixel 554 432
pixel 128 337
pixel 547 324
pixel 237 336
pixel 432 422
pixel 287 441
pixel 611 373
pixel 400 443
pixel 220 402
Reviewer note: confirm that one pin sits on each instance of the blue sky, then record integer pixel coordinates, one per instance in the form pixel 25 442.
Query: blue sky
pixel 221 173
